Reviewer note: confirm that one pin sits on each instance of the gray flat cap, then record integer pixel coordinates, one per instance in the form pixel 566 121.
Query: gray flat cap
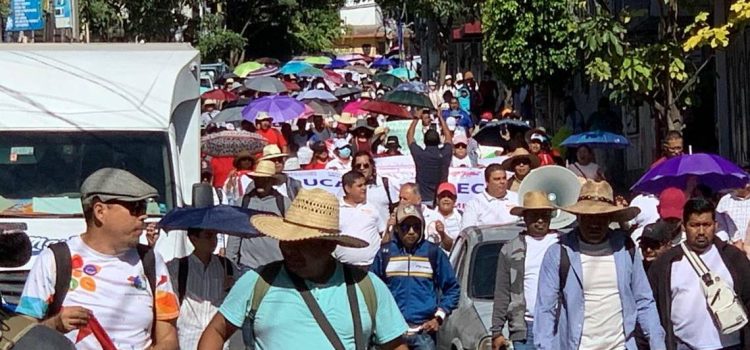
pixel 115 184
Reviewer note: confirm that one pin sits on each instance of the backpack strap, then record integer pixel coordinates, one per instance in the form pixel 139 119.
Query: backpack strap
pixel 148 259
pixel 182 275
pixel 226 264
pixel 563 273
pixel 267 275
pixel 64 270
pixel 320 317
pixel 351 293
pixel 386 184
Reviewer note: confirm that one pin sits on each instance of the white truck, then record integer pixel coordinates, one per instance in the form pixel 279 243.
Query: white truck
pixel 67 110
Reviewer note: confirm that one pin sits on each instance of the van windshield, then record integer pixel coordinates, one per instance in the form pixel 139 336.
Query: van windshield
pixel 41 172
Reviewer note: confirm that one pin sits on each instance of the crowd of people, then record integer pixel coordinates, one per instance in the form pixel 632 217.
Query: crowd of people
pixel 370 266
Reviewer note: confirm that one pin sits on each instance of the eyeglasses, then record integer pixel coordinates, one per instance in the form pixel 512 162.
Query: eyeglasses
pixel 137 208
pixel 362 166
pixel 406 227
pixel 278 160
pixel 460 145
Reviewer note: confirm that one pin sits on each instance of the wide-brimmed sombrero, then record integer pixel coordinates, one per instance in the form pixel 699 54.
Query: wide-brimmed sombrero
pixel 520 153
pixel 314 214
pixel 533 200
pixel 597 198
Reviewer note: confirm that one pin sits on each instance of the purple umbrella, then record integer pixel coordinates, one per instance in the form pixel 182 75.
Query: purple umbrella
pixel 710 170
pixel 280 108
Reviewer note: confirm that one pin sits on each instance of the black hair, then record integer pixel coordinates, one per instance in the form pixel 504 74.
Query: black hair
pixel 698 206
pixel 431 138
pixel 491 169
pixel 194 232
pixel 370 159
pixel 350 178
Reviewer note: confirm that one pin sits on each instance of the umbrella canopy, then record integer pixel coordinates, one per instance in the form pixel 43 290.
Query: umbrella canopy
pixel 231 143
pixel 353 57
pixel 280 108
pixel 386 108
pixel 318 60
pixel 291 86
pixel 269 61
pixel 229 115
pixel 598 139
pixel 489 134
pixel 244 69
pixel 355 107
pixel 404 73
pixel 412 86
pixel 221 218
pixel 387 79
pixel 311 72
pixel 320 107
pixel 265 84
pixel 710 169
pixel 264 72
pixel 333 77
pixel 294 67
pixel 408 98
pixel 346 91
pixel 337 64
pixel 228 75
pixel 358 69
pixel 219 95
pixel 317 95
pixel 381 62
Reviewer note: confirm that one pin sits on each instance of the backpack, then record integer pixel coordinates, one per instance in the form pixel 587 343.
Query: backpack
pixel 565 269
pixel 182 274
pixel 267 275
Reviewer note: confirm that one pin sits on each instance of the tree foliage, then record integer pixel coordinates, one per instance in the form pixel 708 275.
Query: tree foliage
pixel 528 41
pixel 702 34
pixel 216 42
pixel 315 29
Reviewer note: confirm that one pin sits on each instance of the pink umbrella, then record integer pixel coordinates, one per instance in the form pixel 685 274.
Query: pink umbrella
pixel 333 77
pixel 355 107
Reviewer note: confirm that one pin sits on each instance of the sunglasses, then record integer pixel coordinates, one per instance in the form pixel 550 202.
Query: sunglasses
pixel 362 166
pixel 137 208
pixel 278 160
pixel 460 145
pixel 405 227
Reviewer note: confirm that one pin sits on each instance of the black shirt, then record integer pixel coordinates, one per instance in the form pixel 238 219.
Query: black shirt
pixel 432 164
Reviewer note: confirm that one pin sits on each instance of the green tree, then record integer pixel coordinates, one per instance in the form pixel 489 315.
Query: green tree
pixel 216 42
pixel 702 34
pixel 528 41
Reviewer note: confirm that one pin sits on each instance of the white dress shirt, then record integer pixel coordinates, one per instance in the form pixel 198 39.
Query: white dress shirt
pixel 378 198
pixel 361 221
pixel 737 208
pixel 204 293
pixel 484 209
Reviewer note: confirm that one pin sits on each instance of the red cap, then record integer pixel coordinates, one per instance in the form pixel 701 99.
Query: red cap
pixel 671 202
pixel 447 187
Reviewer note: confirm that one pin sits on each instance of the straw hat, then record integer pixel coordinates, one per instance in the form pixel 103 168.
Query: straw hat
pixel 265 168
pixel 272 151
pixel 314 214
pixel 597 198
pixel 346 118
pixel 520 152
pixel 533 200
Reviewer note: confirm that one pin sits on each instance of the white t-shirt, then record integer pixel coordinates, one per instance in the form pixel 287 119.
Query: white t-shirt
pixel 361 221
pixel 484 209
pixel 114 288
pixel 378 198
pixel 694 325
pixel 602 308
pixel 458 162
pixel 338 164
pixel 535 250
pixel 452 224
pixel 589 171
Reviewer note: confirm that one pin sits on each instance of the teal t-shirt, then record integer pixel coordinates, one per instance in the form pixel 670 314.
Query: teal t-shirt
pixel 283 320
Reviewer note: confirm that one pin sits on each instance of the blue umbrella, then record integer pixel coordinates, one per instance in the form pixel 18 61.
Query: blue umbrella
pixel 709 169
pixel 597 139
pixel 317 94
pixel 221 218
pixel 337 64
pixel 381 63
pixel 294 67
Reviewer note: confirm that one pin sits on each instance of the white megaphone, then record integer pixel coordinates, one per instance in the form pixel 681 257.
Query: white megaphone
pixel 562 187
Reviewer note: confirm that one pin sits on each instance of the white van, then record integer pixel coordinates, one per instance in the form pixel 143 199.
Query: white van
pixel 67 110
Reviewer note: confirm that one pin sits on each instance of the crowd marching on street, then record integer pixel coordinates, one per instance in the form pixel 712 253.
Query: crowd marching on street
pixel 366 263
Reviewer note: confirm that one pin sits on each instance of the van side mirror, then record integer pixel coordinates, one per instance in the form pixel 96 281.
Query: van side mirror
pixel 203 195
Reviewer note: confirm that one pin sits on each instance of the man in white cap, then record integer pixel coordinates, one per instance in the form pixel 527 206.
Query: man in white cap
pixel 105 274
pixel 209 112
pixel 447 86
pixel 287 186
pixel 593 289
pixel 265 128
pixel 342 159
pixel 308 297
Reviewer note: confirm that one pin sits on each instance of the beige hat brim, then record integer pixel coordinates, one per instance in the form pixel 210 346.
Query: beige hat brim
pixel 507 164
pixel 275 227
pixel 274 156
pixel 589 207
pixel 519 211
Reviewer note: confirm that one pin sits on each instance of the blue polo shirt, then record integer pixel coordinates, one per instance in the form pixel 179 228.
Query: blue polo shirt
pixel 283 320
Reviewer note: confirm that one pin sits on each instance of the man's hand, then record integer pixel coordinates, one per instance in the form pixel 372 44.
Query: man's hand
pixel 152 234
pixel 69 318
pixel 431 326
pixel 498 343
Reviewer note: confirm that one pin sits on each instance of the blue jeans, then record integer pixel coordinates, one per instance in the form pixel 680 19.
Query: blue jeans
pixel 420 341
pixel 527 344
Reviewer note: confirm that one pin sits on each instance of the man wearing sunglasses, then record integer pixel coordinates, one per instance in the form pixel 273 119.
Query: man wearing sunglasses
pixel 419 276
pixel 382 192
pixel 124 285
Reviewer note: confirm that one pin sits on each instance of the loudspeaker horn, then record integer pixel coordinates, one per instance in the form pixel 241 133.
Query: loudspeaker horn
pixel 562 187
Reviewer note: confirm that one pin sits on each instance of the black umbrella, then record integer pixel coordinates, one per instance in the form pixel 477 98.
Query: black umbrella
pixel 346 91
pixel 490 133
pixel 265 84
pixel 409 98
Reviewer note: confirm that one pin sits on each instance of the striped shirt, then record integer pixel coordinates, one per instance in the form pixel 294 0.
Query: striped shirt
pixel 205 291
pixel 738 210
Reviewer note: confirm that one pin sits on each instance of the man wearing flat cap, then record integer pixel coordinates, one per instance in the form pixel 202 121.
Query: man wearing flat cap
pixel 124 285
pixel 306 300
pixel 592 286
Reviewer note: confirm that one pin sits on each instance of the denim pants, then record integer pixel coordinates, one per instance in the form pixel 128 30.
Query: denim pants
pixel 421 341
pixel 527 344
